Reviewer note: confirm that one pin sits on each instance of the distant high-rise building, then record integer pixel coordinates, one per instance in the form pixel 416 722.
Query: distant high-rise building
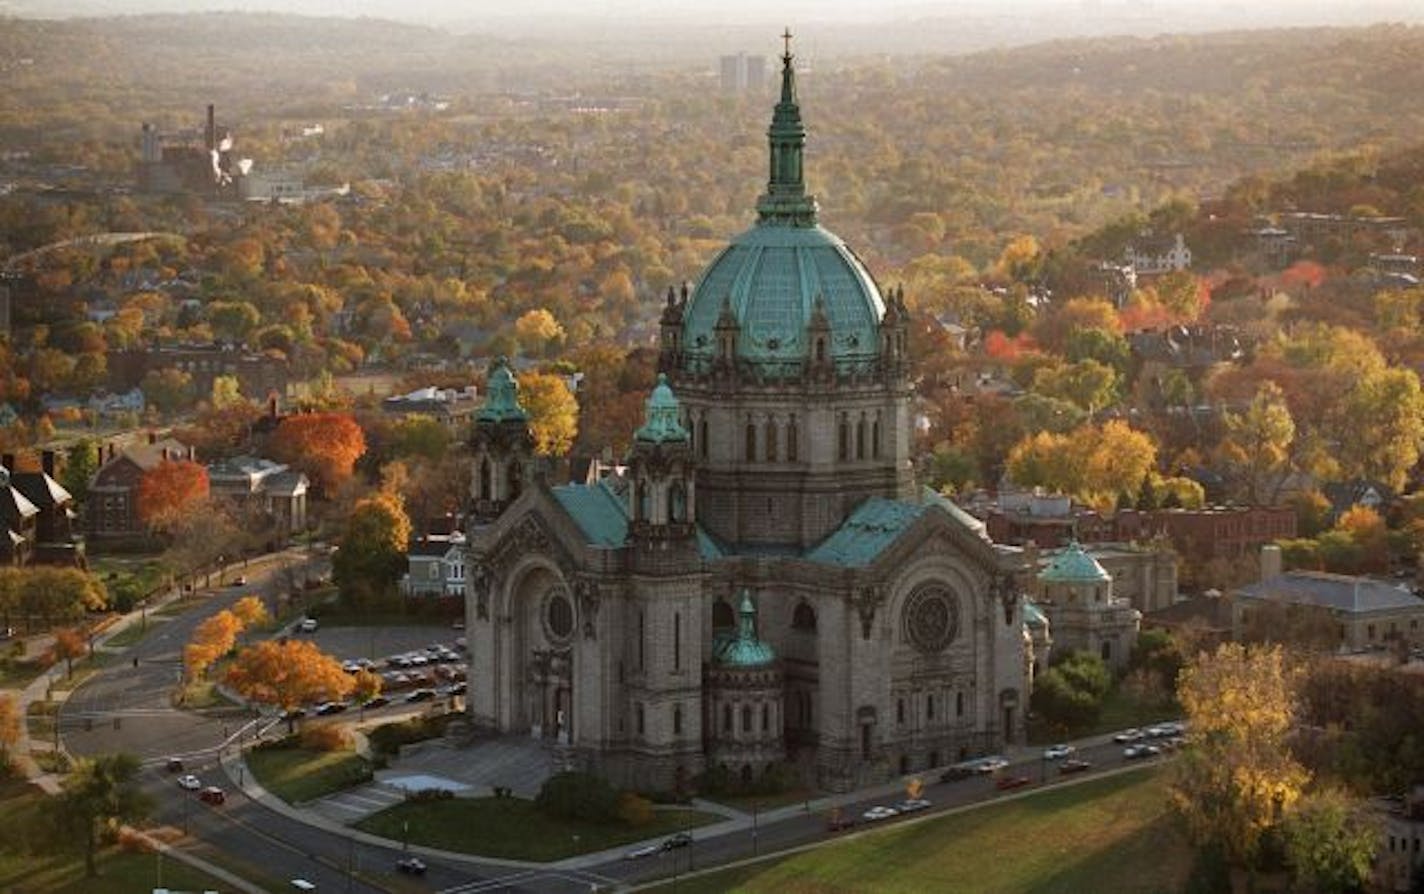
pixel 742 73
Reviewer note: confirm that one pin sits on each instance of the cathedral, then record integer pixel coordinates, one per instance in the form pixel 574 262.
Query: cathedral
pixel 766 584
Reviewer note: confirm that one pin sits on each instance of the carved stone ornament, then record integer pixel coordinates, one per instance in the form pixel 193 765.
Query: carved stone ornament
pixel 931 618
pixel 480 587
pixel 866 601
pixel 587 591
pixel 1008 593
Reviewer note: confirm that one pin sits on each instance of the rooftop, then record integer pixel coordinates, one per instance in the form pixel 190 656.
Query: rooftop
pixel 1337 592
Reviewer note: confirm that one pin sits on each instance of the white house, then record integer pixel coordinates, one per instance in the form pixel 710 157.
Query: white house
pixel 436 566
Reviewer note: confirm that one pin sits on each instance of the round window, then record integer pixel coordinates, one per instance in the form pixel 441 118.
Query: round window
pixel 559 616
pixel 931 618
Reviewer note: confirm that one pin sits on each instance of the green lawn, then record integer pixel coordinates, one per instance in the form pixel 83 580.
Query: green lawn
pixel 748 803
pixel 1108 835
pixel 513 829
pixel 133 633
pixel 297 775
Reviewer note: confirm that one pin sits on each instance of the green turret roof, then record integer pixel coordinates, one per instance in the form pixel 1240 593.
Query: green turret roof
pixel 771 280
pixel 662 422
pixel 501 395
pixel 1073 565
pixel 744 649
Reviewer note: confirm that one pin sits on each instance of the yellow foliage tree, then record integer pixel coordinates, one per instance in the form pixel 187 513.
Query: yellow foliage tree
pixel 212 639
pixel 1238 780
pixel 9 726
pixel 251 611
pixel 287 674
pixel 1095 464
pixel 553 412
pixel 535 329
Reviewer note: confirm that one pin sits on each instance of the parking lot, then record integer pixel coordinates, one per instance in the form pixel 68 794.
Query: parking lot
pixel 376 642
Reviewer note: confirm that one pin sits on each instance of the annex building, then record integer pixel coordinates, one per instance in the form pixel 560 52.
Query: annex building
pixel 765 583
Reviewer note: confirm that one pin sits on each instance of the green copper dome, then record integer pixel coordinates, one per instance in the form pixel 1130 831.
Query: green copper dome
pixel 662 422
pixel 744 649
pixel 501 395
pixel 1074 566
pixel 775 279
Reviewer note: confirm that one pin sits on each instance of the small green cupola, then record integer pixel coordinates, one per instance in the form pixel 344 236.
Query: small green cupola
pixel 744 649
pixel 1073 565
pixel 501 395
pixel 662 420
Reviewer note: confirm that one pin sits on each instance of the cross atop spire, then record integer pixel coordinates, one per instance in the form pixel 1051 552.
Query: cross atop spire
pixel 785 202
pixel 786 38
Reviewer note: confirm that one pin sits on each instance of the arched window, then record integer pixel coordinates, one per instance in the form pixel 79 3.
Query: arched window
pixel 746 718
pixel 722 616
pixel 899 710
pixel 702 436
pixel 765 718
pixel 640 720
pixel 793 439
pixel 843 438
pixel 516 480
pixel 959 704
pixel 676 641
pixel 486 488
pixel 875 438
pixel 751 442
pixel 929 706
pixel 860 439
pixel 677 720
pixel 726 718
pixel 645 501
pixel 804 617
pixel 770 440
pixel 677 502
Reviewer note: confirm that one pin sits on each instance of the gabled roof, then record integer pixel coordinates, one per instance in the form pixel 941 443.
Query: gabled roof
pixel 14 507
pixel 147 456
pixel 1338 592
pixel 878 522
pixel 597 510
pixel 40 489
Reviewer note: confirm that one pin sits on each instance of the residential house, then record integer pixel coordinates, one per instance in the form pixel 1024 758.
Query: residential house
pixel 1217 532
pixel 264 486
pixel 453 408
pixel 1399 856
pixel 112 510
pixel 55 540
pixel 257 374
pixel 1345 495
pixel 436 567
pixel 1151 255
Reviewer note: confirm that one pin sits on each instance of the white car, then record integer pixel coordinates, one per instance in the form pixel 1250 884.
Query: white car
pixel 880 812
pixel 308 625
pixel 1058 752
pixel 1128 735
pixel 910 805
pixel 991 764
pixel 646 850
pixel 190 783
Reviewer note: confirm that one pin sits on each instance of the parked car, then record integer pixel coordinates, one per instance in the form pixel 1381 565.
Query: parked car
pixel 240 580
pixel 680 840
pixel 213 795
pixel 189 783
pixel 910 805
pixel 646 850
pixel 1074 766
pixel 958 772
pixel 879 812
pixel 1133 752
pixel 411 866
pixel 327 708
pixel 307 625
pixel 459 688
pixel 1058 752
pixel 991 764
pixel 293 714
pixel 1004 783
pixel 421 695
pixel 379 701
pixel 839 821
pixel 302 884
pixel 173 765
pixel 1128 735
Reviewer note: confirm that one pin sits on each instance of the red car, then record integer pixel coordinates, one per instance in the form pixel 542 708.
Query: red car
pixel 1008 782
pixel 213 795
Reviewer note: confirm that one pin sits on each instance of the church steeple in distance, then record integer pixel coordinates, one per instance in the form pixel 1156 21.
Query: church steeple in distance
pixel 785 202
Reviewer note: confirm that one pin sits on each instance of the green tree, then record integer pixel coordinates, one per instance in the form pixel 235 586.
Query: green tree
pixel 372 549
pixel 418 436
pixel 80 463
pixel 168 390
pixel 233 320
pixel 1087 383
pixel 1330 843
pixel 99 794
pixel 1384 427
pixel 1258 443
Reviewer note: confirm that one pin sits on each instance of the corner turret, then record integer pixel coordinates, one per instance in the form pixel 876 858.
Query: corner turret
pixel 503 446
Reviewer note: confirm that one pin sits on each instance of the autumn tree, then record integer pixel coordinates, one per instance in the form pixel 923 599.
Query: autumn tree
pixel 536 330
pixel 1238 780
pixel 169 390
pixel 212 639
pixel 1330 843
pixel 1094 464
pixel 69 644
pixel 10 720
pixel 1258 443
pixel 287 674
pixel 373 546
pixel 323 445
pixel 81 461
pixel 553 412
pixel 171 490
pixel 98 794
pixel 365 686
pixel 251 611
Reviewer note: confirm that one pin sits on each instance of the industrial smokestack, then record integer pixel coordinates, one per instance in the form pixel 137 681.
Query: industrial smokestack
pixel 212 128
pixel 1270 561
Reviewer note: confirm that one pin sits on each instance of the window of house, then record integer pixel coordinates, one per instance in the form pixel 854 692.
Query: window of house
pixel 803 618
pixel 1370 631
pixel 1107 651
pixel 435 571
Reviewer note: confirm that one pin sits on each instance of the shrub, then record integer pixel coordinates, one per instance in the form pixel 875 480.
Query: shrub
pixel 635 810
pixel 133 842
pixel 388 738
pixel 326 737
pixel 580 796
pixel 424 795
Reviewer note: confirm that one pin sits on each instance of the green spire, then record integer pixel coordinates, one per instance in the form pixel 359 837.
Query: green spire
pixel 662 421
pixel 745 650
pixel 501 395
pixel 785 202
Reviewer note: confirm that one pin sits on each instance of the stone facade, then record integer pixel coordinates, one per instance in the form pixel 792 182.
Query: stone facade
pixel 778 476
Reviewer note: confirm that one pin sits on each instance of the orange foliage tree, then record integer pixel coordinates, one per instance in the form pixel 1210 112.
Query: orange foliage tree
pixel 212 639
pixel 69 644
pixel 171 490
pixel 9 726
pixel 287 674
pixel 251 611
pixel 323 445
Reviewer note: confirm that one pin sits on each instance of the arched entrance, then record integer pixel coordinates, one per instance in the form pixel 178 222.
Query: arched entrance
pixel 542 650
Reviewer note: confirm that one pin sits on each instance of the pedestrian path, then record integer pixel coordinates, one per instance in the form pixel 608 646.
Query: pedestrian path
pixel 355 804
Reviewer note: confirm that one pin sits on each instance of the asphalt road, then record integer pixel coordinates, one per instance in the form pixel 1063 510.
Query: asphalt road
pixel 126 708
